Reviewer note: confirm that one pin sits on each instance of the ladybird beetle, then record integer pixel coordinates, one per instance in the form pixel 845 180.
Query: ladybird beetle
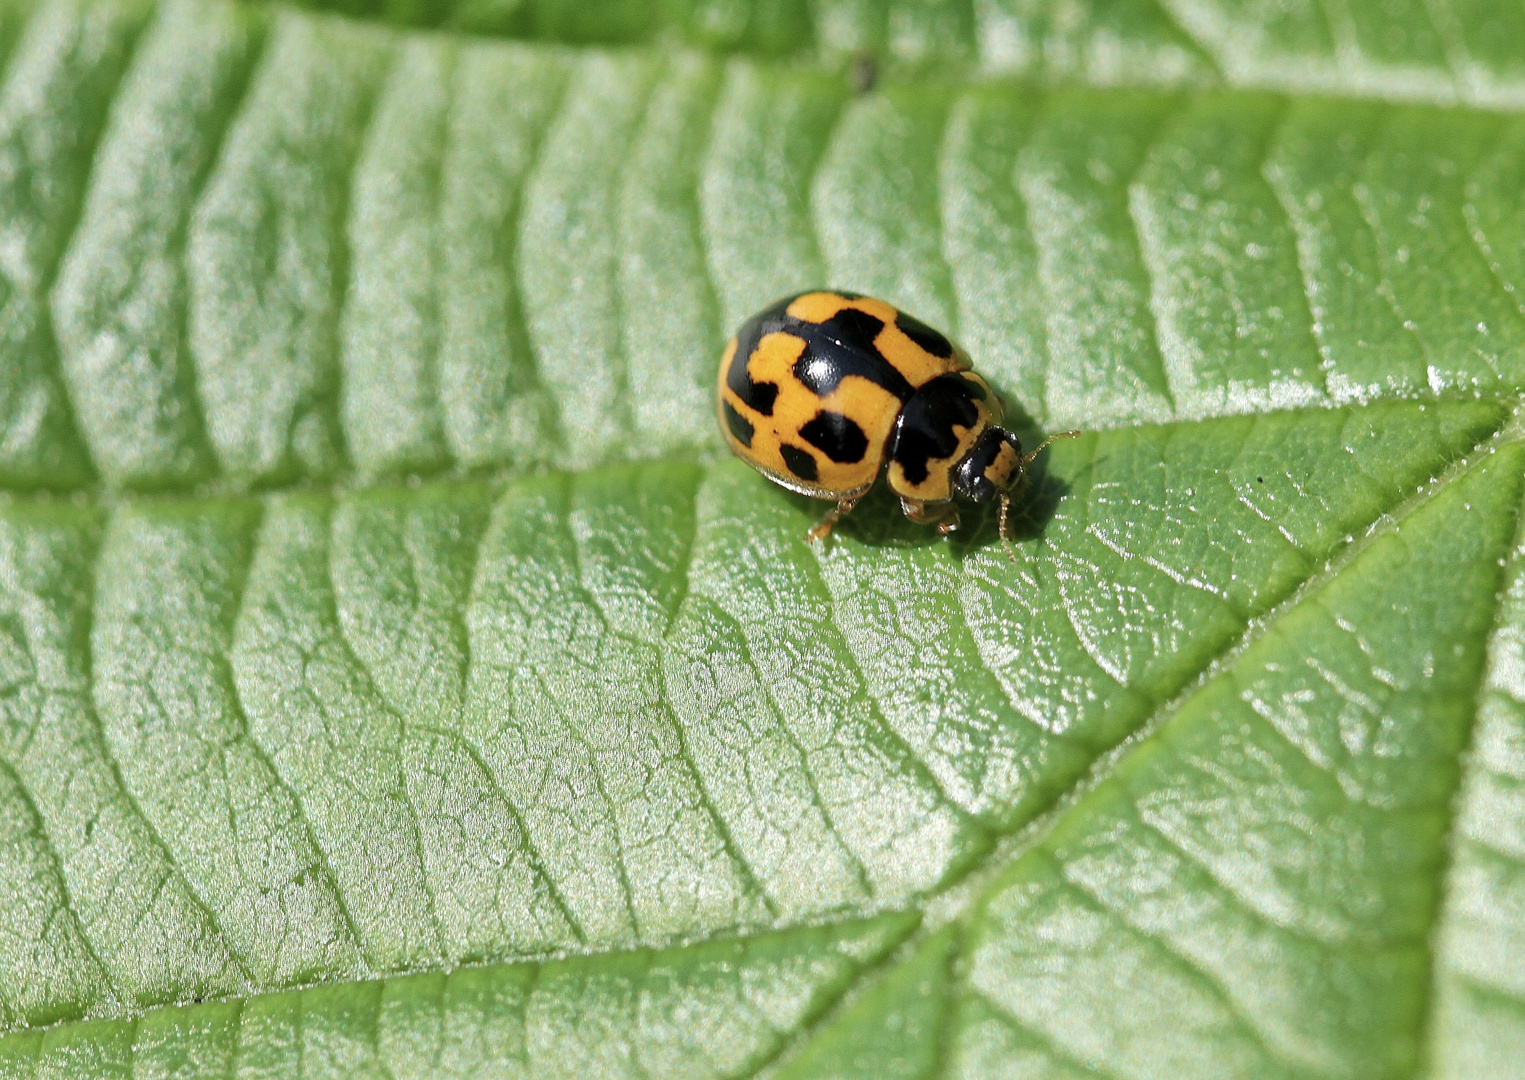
pixel 818 391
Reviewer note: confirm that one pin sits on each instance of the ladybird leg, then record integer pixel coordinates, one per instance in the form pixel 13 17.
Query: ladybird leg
pixel 1011 550
pixel 834 515
pixel 944 514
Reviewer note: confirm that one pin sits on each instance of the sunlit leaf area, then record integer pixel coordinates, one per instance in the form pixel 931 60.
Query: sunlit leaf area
pixel 399 679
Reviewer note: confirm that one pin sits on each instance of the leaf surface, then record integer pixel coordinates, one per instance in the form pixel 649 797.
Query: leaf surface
pixel 393 678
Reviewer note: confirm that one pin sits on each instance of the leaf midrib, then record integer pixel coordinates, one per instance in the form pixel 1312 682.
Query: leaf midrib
pixel 961 893
pixel 961 896
pixel 968 882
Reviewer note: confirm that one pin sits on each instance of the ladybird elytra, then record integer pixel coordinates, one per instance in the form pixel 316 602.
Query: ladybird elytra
pixel 823 391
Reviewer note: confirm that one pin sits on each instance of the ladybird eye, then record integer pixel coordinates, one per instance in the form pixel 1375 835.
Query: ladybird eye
pixel 977 488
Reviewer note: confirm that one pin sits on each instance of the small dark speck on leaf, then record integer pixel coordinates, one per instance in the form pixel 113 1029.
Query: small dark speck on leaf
pixel 865 73
pixel 1260 479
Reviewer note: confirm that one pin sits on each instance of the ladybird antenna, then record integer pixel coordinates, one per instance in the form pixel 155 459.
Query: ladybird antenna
pixel 1027 459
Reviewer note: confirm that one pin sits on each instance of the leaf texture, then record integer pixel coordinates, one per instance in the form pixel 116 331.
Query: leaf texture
pixel 392 680
pixel 1431 50
pixel 442 262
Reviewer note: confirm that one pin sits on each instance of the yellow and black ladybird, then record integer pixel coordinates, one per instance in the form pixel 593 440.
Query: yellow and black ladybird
pixel 819 391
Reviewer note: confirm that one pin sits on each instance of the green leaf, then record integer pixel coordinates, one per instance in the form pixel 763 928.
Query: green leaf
pixel 395 678
pixel 1267 862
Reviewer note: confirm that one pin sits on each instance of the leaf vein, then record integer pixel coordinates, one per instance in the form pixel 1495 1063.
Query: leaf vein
pixel 855 862
pixel 341 637
pixel 240 587
pixel 55 867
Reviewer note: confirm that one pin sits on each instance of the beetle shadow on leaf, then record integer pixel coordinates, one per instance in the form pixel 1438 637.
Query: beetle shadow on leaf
pixel 877 521
pixel 1032 508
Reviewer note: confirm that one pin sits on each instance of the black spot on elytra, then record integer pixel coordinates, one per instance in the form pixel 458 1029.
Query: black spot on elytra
pixel 758 396
pixel 755 395
pixel 924 335
pixel 843 345
pixel 924 430
pixel 836 436
pixel 740 426
pixel 800 462
pixel 850 327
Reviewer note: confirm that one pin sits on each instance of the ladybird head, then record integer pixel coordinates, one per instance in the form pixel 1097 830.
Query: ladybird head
pixel 992 467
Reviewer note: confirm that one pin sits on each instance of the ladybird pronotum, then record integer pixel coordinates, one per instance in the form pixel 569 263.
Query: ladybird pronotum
pixel 821 391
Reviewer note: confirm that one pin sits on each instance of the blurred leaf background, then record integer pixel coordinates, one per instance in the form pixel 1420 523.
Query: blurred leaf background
pixel 396 680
